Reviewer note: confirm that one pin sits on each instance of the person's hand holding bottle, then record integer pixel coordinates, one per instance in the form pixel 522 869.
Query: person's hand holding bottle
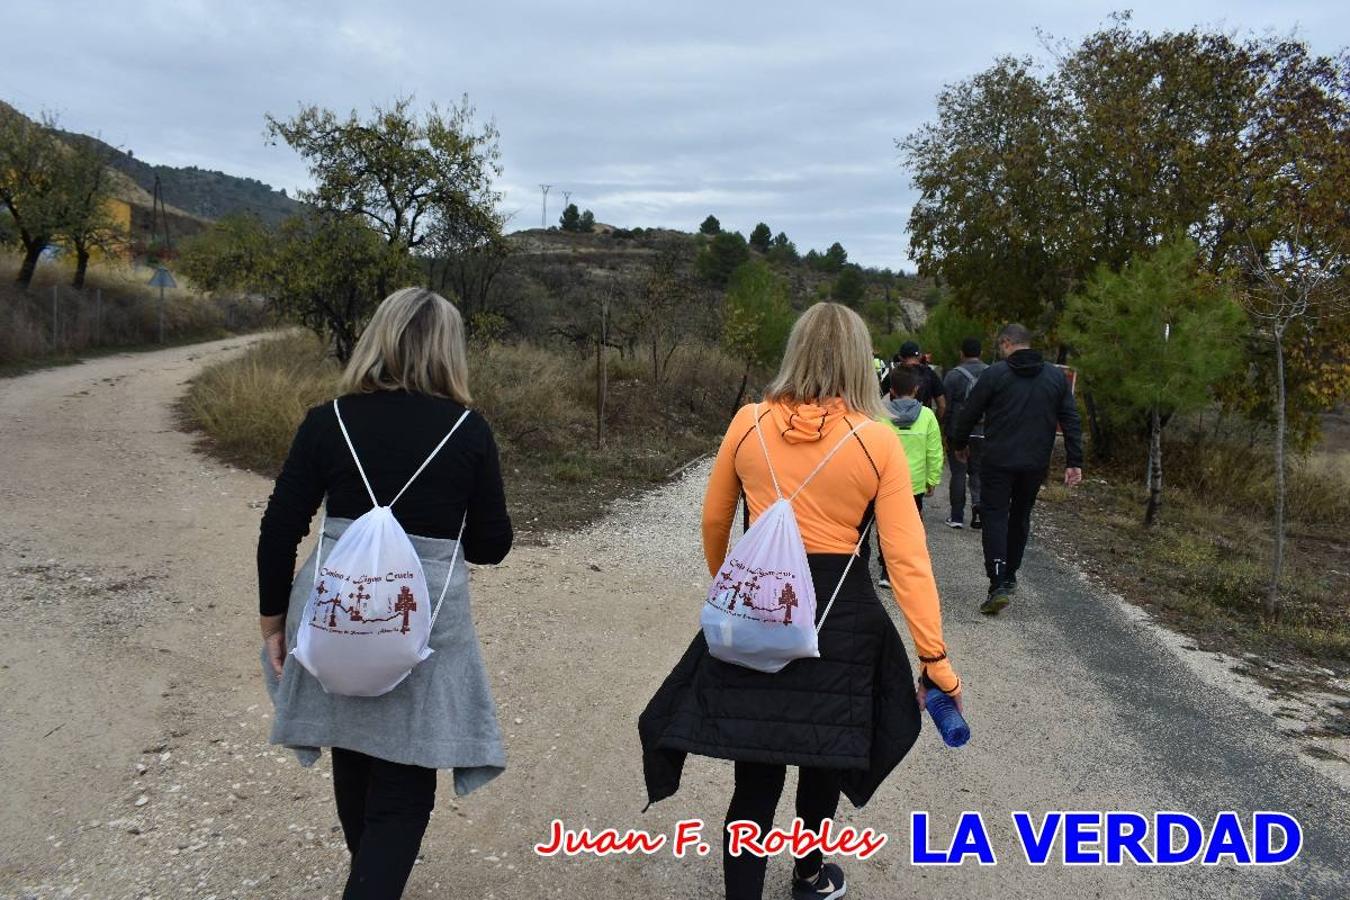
pixel 922 690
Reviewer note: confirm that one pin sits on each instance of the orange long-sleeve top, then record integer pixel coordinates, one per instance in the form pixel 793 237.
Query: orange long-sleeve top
pixel 870 466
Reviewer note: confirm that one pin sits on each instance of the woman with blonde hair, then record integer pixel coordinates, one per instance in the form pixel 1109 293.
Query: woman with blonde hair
pixel 847 718
pixel 403 391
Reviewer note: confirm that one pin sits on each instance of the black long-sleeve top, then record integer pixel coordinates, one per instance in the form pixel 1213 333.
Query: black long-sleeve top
pixel 393 432
pixel 1022 399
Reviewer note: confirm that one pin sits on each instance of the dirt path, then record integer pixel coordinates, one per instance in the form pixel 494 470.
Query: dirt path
pixel 134 720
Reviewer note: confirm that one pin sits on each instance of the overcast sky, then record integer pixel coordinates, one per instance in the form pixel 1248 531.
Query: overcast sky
pixel 784 112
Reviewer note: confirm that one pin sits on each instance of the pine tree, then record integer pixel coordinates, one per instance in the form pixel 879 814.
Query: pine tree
pixel 1152 339
pixel 571 218
pixel 761 238
pixel 849 286
pixel 756 318
pixel 721 257
pixel 783 251
pixel 835 258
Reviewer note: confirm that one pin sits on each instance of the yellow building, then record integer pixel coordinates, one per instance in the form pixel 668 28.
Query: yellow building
pixel 119 213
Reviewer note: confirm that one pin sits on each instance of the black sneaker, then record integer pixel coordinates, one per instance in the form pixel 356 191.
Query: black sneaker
pixel 884 581
pixel 827 884
pixel 975 521
pixel 997 599
pixel 955 523
pixel 1010 584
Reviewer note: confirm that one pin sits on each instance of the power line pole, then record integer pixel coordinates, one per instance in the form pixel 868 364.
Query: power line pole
pixel 567 199
pixel 543 219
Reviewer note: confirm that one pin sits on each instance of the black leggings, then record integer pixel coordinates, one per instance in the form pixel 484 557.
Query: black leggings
pixel 758 787
pixel 1006 499
pixel 384 808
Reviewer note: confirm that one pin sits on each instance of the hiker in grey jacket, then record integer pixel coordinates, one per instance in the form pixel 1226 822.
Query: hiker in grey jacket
pixel 959 382
pixel 1021 400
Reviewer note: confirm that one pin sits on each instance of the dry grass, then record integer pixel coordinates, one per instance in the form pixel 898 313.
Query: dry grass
pixel 528 396
pixel 1318 489
pixel 541 403
pixel 1241 477
pixel 116 309
pixel 1206 567
pixel 249 407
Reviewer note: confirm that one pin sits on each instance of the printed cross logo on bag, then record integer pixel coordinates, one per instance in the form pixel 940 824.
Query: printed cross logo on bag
pixel 745 591
pixel 368 619
pixel 761 607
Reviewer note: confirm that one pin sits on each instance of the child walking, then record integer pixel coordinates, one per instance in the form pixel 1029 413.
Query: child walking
pixel 920 435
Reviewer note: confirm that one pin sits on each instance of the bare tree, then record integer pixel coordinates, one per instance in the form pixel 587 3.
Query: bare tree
pixel 469 274
pixel 602 367
pixel 661 319
pixel 1295 283
pixel 466 256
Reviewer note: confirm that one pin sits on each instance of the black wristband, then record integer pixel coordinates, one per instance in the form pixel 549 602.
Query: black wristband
pixel 934 686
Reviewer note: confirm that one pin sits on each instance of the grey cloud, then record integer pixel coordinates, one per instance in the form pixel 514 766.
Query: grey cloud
pixel 653 114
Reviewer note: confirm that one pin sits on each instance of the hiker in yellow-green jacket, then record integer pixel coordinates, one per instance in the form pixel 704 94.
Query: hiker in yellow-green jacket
pixel 920 435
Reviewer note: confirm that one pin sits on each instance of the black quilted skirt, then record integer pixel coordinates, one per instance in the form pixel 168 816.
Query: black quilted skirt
pixel 852 709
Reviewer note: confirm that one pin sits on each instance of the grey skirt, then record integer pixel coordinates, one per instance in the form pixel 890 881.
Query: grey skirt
pixel 441 716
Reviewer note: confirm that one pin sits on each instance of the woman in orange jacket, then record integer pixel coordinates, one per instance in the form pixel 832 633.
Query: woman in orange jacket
pixel 847 718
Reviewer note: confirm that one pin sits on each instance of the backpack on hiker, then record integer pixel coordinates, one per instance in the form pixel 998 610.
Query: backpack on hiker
pixel 954 405
pixel 368 619
pixel 761 607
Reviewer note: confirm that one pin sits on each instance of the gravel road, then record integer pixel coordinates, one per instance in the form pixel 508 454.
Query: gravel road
pixel 135 721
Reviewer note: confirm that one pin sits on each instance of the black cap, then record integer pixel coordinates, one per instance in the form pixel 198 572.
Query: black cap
pixel 908 349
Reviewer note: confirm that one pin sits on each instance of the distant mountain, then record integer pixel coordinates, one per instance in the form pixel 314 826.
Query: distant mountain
pixel 201 192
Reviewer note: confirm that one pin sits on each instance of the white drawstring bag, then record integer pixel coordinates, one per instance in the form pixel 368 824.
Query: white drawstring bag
pixel 761 607
pixel 368 619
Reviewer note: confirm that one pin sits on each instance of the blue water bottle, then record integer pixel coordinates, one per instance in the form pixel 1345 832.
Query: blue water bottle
pixel 948 719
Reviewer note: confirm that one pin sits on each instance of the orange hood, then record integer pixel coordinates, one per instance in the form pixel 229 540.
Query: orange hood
pixel 806 423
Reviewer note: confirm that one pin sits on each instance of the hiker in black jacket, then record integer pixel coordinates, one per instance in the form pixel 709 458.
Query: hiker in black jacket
pixel 1021 399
